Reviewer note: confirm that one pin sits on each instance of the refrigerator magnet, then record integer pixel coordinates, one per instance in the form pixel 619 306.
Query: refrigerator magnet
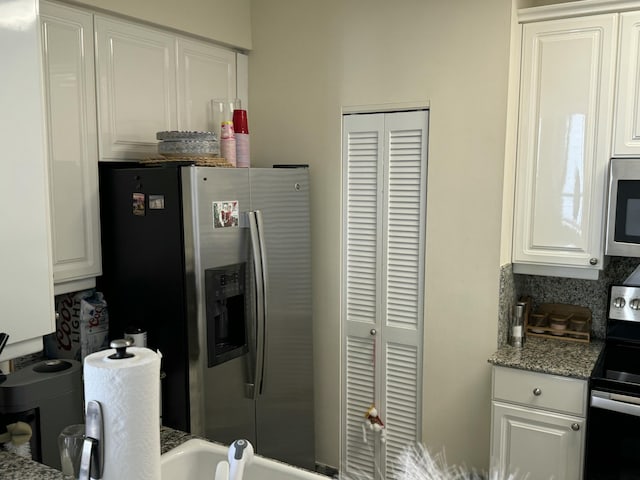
pixel 225 214
pixel 156 202
pixel 138 204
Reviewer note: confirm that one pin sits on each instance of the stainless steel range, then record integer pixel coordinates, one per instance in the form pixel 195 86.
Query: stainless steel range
pixel 613 422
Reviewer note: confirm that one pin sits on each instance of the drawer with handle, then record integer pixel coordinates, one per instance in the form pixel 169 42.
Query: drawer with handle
pixel 540 390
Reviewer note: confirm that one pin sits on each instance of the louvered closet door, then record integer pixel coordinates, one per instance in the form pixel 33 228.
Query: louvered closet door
pixel 362 158
pixel 383 269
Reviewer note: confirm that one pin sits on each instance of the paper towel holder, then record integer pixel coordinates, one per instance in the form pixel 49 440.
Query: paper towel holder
pixel 92 459
pixel 121 349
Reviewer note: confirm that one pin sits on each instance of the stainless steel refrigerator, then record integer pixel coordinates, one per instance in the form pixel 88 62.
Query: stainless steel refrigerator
pixel 214 264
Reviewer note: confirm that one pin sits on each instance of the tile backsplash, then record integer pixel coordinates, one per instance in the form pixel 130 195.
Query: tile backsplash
pixel 587 293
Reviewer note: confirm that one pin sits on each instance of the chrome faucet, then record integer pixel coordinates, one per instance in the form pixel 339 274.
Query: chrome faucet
pixel 92 459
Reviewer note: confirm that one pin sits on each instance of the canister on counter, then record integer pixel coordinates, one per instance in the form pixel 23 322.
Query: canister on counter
pixel 137 335
pixel 516 337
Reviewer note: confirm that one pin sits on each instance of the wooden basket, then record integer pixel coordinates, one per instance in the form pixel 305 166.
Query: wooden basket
pixel 578 322
pixel 188 160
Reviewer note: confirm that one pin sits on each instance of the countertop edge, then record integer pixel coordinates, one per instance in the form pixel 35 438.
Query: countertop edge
pixel 14 467
pixel 552 357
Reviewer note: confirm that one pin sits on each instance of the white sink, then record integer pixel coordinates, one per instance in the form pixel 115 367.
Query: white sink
pixel 197 460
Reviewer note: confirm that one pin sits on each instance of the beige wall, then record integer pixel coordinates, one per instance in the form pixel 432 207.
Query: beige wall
pixel 225 21
pixel 311 59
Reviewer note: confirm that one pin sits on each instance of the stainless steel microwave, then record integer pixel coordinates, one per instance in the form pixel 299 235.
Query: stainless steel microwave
pixel 623 217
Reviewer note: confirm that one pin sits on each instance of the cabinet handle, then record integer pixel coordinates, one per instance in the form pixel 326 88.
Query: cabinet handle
pixel 575 427
pixel 593 261
pixel 537 392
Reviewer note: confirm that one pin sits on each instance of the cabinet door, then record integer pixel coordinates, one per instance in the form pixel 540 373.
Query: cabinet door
pixel 541 444
pixel 67 36
pixel 626 140
pixel 563 141
pixel 25 263
pixel 205 72
pixel 136 88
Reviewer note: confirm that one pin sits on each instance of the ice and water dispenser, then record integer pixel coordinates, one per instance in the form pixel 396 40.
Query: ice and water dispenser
pixel 226 322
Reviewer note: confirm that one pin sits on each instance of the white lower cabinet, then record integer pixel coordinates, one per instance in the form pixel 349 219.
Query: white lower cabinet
pixel 542 444
pixel 67 36
pixel 538 424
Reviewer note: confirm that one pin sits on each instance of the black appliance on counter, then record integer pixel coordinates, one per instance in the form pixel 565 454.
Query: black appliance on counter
pixel 613 420
pixel 47 396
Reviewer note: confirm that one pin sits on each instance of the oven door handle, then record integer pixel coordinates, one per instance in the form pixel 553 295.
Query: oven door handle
pixel 616 403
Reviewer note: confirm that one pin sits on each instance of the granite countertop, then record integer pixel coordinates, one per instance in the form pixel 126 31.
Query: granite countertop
pixel 13 467
pixel 555 357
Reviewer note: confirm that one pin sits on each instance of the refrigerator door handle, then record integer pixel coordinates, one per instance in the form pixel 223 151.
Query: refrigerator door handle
pixel 255 220
pixel 262 333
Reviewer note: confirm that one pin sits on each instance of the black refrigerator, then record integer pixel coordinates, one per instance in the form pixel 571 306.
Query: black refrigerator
pixel 214 264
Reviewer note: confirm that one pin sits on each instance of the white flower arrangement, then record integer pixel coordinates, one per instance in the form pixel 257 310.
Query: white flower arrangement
pixel 417 463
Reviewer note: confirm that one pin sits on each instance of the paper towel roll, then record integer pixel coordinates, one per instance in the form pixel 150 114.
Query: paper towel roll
pixel 128 390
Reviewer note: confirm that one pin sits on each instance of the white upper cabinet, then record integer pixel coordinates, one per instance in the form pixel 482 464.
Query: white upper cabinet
pixel 26 295
pixel 205 72
pixel 566 94
pixel 67 37
pixel 136 87
pixel 151 81
pixel 626 137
